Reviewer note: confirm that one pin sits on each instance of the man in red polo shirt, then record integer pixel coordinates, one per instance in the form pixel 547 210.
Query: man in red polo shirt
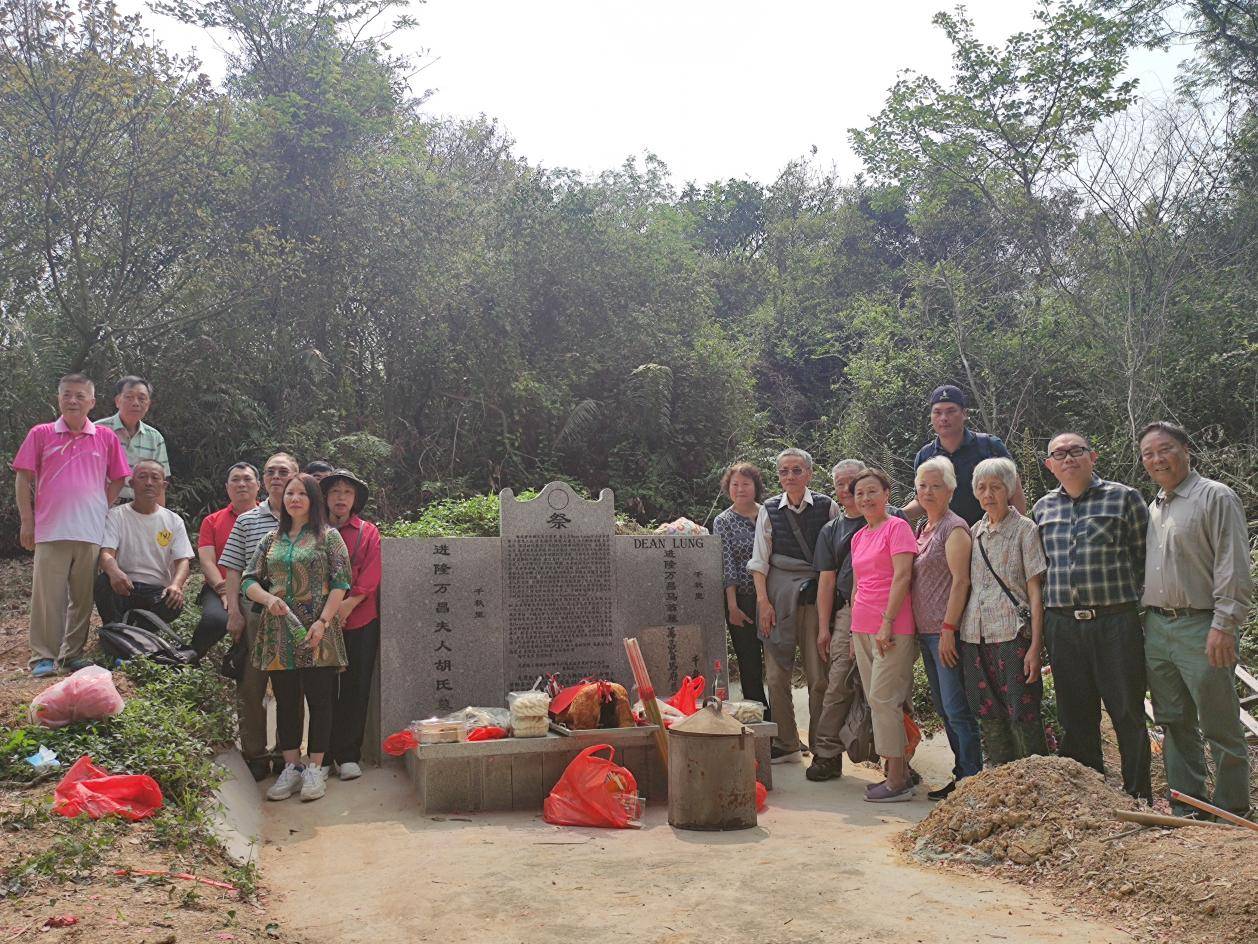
pixel 346 496
pixel 242 496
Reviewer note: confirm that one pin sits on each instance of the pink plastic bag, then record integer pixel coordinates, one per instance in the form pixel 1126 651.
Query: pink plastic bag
pixel 87 695
pixel 88 789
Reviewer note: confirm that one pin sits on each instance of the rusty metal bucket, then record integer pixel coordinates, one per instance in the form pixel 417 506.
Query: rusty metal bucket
pixel 711 772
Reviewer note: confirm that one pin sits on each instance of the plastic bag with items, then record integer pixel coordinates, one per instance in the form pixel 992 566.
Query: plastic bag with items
pixel 87 695
pixel 88 789
pixel 595 791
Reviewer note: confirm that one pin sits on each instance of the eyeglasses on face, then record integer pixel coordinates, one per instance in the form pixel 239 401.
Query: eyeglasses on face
pixel 1074 452
pixel 793 471
pixel 275 471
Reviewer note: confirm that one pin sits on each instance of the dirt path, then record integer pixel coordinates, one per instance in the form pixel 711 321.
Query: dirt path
pixel 363 865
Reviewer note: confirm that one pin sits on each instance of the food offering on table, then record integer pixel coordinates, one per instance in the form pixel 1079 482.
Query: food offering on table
pixel 530 713
pixel 590 704
pixel 748 712
pixel 437 731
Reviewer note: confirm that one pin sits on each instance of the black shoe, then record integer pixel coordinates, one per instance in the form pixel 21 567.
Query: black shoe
pixel 260 767
pixel 915 777
pixel 943 792
pixel 825 768
pixel 780 755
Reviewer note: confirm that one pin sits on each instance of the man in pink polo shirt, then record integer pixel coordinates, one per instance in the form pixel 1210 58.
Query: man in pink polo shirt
pixel 68 474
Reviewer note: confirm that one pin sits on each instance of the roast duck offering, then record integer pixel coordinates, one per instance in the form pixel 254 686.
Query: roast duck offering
pixel 592 703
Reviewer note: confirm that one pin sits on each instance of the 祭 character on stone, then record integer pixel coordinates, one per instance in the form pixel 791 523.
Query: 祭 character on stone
pixel 145 556
pixel 1002 629
pixel 785 577
pixel 242 497
pixel 359 613
pixel 68 473
pixel 882 627
pixel 736 527
pixel 964 448
pixel 941 585
pixel 834 618
pixel 1094 538
pixel 242 616
pixel 1197 595
pixel 299 575
pixel 133 398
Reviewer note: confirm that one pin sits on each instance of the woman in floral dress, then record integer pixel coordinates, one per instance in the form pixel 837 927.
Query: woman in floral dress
pixel 300 574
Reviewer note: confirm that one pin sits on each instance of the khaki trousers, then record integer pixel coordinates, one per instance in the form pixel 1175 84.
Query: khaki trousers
pixel 838 695
pixel 63 570
pixel 250 690
pixel 778 682
pixel 888 684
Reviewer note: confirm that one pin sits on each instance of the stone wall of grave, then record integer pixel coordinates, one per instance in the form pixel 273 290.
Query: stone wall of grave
pixel 466 620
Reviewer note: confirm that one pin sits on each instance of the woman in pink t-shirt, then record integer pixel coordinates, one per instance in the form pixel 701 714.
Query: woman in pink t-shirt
pixel 882 627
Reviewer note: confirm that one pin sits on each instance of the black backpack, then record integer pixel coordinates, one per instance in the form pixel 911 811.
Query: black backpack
pixel 145 635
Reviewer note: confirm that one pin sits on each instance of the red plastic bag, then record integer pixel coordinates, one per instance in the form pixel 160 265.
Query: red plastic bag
pixel 593 791
pixel 689 696
pixel 914 735
pixel 399 742
pixel 87 695
pixel 762 797
pixel 88 789
pixel 490 733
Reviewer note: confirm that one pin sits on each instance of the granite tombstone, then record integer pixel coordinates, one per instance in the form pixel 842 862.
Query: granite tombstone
pixel 465 620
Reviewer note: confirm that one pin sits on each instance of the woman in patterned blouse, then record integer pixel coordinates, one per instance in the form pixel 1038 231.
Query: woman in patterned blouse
pixel 1000 652
pixel 300 574
pixel 736 527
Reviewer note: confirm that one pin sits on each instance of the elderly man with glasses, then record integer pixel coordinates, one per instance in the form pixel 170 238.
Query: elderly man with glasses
pixel 782 568
pixel 242 620
pixel 1094 538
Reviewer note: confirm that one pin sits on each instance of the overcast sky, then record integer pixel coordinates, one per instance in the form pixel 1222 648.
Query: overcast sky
pixel 716 89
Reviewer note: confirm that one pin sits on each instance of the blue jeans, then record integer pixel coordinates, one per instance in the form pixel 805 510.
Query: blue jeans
pixel 947 692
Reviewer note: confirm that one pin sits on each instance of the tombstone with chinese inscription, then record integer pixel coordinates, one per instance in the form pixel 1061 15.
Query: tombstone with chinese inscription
pixel 466 620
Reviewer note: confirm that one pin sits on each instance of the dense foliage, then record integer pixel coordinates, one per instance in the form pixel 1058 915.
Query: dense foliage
pixel 305 258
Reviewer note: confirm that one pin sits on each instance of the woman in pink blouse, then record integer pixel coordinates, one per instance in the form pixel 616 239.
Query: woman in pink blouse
pixel 882 627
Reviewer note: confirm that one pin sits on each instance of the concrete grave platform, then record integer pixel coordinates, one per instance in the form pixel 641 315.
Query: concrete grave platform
pixel 518 773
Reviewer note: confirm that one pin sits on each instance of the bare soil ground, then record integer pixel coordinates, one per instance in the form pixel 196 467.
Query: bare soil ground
pixel 1049 822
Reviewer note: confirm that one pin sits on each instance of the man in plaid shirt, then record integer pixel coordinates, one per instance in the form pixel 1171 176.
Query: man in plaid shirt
pixel 1094 537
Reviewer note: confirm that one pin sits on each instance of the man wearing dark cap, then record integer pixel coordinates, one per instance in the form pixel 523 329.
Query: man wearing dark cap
pixel 965 448
pixel 346 496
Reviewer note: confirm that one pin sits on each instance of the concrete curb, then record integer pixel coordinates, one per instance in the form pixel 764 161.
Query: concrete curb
pixel 237 814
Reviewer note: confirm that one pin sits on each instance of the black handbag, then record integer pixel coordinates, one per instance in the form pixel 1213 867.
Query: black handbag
pixel 234 660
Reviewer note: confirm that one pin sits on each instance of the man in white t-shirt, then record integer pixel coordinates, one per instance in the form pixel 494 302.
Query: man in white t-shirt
pixel 145 557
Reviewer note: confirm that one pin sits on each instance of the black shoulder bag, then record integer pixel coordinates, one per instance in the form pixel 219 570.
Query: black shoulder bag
pixel 1023 611
pixel 807 589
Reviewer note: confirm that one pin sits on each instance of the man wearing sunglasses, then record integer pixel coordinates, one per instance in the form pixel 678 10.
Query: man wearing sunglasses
pixel 246 534
pixel 785 576
pixel 1094 537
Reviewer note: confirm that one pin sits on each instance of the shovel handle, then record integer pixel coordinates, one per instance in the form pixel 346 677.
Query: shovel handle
pixel 1214 810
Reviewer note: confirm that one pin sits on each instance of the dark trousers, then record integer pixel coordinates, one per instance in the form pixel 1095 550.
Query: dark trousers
pixel 1095 662
pixel 144 596
pixel 318 685
pixel 350 715
pixel 213 623
pixel 749 651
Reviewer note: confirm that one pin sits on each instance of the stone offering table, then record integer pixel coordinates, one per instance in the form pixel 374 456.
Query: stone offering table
pixel 517 774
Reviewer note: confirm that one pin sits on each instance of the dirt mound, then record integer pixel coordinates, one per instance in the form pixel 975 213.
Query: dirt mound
pixel 1050 821
pixel 1020 813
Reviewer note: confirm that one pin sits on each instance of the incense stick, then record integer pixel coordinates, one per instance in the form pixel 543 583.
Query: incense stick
pixel 646 692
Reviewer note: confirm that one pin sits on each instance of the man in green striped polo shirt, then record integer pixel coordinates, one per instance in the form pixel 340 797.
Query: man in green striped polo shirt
pixel 133 397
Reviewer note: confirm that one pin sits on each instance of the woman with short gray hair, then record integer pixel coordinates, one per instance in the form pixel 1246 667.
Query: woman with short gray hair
pixel 941 583
pixel 1003 624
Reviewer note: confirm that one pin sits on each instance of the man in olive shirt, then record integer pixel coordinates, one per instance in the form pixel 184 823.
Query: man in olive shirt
pixel 1197 594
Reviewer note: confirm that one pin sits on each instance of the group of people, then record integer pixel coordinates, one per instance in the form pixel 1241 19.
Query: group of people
pixel 292 579
pixel 1126 598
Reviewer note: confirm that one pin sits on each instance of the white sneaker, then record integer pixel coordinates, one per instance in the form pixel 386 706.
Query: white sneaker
pixel 350 770
pixel 314 783
pixel 286 784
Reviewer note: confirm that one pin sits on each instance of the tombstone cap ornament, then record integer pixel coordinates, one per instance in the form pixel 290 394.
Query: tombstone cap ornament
pixel 345 475
pixel 949 394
